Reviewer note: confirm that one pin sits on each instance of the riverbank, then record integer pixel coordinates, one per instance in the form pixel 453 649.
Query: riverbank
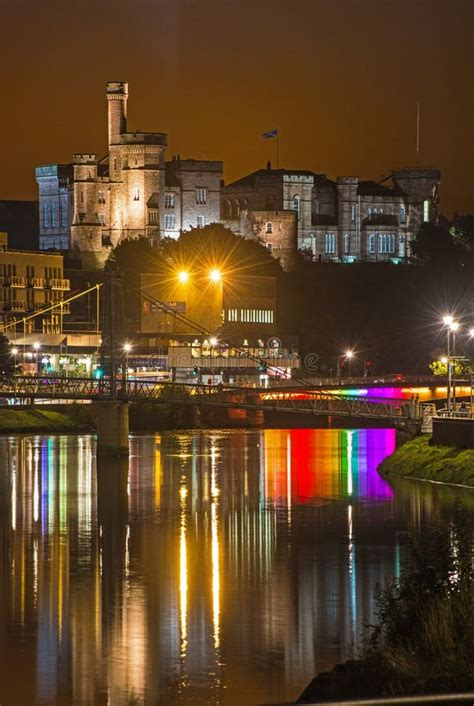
pixel 17 421
pixel 419 459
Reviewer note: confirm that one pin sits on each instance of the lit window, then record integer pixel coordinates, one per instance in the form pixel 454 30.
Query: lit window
pixel 101 197
pixel 346 244
pixel 268 227
pixel 369 212
pixel 53 216
pixel 136 194
pixel 169 222
pixel 200 221
pixel 201 195
pixel 353 213
pixel 45 215
pixel 372 243
pixel 403 215
pixel 426 211
pixel 102 219
pixel 297 205
pixel 153 217
pixel 330 243
pixel 169 200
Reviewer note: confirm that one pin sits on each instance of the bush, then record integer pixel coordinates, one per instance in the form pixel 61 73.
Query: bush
pixel 425 637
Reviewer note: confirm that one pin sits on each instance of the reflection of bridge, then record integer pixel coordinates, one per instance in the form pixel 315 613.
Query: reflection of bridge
pixel 113 393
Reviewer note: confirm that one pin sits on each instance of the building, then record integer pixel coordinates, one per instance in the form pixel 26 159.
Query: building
pixel 346 220
pixel 239 315
pixel 30 282
pixel 91 204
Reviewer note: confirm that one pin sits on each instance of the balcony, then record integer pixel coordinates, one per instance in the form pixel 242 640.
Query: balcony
pixel 62 284
pixel 17 281
pixel 36 282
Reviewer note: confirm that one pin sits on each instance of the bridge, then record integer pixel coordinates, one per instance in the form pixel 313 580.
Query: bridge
pixel 112 396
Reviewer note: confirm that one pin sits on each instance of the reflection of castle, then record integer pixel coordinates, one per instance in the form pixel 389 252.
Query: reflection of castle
pixel 213 558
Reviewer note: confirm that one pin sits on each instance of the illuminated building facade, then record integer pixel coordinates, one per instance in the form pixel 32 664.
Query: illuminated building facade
pixel 91 204
pixel 346 220
pixel 29 281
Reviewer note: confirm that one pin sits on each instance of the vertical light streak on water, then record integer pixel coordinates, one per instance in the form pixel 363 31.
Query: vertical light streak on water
pixel 183 572
pixel 51 486
pixel 36 458
pixel 349 462
pixel 216 585
pixel 13 497
pixel 352 572
pixel 63 460
pixel 288 476
pixel 35 573
pixel 127 556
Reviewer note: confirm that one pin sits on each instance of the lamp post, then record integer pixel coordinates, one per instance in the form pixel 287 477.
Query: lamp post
pixel 453 327
pixel 349 356
pixel 213 341
pixel 448 321
pixel 127 347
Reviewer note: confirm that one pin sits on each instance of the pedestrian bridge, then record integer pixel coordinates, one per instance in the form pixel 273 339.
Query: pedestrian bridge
pixel 297 400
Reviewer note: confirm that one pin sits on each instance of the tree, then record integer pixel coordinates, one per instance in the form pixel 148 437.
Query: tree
pixel 7 362
pixel 442 246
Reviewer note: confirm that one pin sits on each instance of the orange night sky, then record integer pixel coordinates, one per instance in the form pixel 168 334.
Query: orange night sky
pixel 339 78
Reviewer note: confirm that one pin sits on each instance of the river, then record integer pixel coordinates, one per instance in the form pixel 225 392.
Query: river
pixel 213 567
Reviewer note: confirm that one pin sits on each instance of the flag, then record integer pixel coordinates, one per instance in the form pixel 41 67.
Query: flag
pixel 271 133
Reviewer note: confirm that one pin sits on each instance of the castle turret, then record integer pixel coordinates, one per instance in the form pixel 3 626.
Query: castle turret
pixel 117 94
pixel 348 245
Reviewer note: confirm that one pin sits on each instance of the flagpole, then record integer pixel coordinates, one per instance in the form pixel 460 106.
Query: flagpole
pixel 417 131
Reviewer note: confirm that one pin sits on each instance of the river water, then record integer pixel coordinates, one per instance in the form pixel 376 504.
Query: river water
pixel 213 567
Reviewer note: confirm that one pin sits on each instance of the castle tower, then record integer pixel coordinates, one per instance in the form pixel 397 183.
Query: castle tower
pixel 348 240
pixel 117 94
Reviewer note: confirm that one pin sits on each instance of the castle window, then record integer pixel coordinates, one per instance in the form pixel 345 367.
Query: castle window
pixel 101 197
pixel 403 215
pixel 330 244
pixel 102 219
pixel 353 213
pixel 297 205
pixel 200 221
pixel 369 212
pixel 53 216
pixel 153 217
pixel 255 228
pixel 401 246
pixel 346 243
pixel 372 243
pixel 201 195
pixel 268 227
pixel 169 200
pixel 169 221
pixel 270 246
pixel 136 194
pixel 426 211
pixel 82 197
pixel 45 215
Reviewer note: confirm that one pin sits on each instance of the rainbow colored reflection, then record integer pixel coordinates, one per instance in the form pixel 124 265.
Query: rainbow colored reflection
pixel 306 464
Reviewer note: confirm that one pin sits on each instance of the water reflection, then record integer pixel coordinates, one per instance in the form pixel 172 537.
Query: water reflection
pixel 213 567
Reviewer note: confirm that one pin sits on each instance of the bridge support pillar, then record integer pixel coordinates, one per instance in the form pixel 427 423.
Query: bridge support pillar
pixel 112 428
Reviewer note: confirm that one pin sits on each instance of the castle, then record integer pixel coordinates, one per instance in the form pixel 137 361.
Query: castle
pixel 91 204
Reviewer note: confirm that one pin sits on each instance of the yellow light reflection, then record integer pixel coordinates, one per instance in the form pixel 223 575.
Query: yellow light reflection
pixel 183 573
pixel 216 584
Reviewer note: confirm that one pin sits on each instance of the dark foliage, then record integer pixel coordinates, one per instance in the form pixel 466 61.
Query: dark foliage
pixel 7 362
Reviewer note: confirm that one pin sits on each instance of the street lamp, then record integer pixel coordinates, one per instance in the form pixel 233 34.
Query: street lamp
pixel 36 347
pixel 127 347
pixel 349 355
pixel 213 341
pixel 215 275
pixel 451 328
pixel 183 276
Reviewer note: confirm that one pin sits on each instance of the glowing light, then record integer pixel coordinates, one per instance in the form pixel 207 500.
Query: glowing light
pixel 443 360
pixel 14 351
pixel 349 354
pixel 448 320
pixel 471 332
pixel 127 347
pixel 454 326
pixel 36 345
pixel 215 276
pixel 213 341
pixel 183 276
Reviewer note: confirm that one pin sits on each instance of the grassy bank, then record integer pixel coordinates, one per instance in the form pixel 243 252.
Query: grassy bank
pixel 417 459
pixel 36 420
